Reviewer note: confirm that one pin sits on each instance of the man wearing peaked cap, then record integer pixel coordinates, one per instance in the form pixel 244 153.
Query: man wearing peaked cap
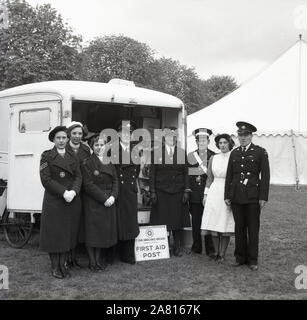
pixel 246 190
pixel 127 204
pixel 245 128
pixel 198 160
pixel 126 125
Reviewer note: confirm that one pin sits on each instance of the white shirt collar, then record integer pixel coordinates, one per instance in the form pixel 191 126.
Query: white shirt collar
pixel 247 147
pixel 169 148
pixel 124 146
pixel 61 151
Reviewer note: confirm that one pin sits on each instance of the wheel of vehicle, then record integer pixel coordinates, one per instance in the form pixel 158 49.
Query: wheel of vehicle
pixel 17 228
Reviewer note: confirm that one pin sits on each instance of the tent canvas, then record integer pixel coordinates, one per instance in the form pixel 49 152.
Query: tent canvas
pixel 275 101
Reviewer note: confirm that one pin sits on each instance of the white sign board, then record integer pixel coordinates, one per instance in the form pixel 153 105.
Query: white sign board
pixel 152 244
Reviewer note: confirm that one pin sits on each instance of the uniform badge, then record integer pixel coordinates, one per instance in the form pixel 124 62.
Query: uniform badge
pixel 43 166
pixel 198 179
pixel 62 174
pixel 96 173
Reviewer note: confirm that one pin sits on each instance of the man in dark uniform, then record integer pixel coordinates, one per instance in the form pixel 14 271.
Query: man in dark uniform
pixel 247 193
pixel 127 206
pixel 198 160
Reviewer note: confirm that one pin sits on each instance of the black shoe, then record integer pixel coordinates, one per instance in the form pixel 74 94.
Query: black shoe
pixel 253 267
pixel 76 264
pixel 219 259
pixel 93 268
pixel 212 256
pixel 238 264
pixel 65 272
pixel 56 273
pixel 101 267
pixel 196 251
pixel 177 252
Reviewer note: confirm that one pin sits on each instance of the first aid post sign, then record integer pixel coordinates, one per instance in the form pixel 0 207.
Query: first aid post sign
pixel 152 243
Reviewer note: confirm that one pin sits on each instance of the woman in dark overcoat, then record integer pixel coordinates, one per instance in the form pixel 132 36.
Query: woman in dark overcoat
pixel 76 133
pixel 61 177
pixel 100 190
pixel 169 187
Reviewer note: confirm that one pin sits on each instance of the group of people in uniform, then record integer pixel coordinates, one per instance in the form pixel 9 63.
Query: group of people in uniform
pixel 230 191
pixel 87 201
pixel 91 202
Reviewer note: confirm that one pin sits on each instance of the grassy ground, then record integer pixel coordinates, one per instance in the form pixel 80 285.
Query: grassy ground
pixel 283 246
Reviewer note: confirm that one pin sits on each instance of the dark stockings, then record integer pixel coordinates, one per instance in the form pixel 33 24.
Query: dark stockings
pixel 220 244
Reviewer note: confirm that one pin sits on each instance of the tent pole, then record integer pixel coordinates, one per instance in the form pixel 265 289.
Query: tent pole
pixel 297 186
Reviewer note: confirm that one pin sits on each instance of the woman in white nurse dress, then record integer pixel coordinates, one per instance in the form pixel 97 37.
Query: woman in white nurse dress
pixel 218 218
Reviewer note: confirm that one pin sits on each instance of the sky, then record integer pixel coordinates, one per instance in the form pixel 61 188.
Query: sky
pixel 217 37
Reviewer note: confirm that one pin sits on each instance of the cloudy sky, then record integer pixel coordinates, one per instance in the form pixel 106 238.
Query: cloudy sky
pixel 217 37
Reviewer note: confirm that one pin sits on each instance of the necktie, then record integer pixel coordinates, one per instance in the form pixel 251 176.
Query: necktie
pixel 171 152
pixel 243 149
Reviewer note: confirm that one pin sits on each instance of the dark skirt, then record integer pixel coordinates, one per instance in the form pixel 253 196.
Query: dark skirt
pixel 170 211
pixel 59 224
pixel 100 224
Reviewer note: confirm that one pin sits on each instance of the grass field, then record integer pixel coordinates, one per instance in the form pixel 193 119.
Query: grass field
pixel 283 246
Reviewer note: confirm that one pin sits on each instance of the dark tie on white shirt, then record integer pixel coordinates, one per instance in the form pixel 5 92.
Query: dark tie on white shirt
pixel 243 149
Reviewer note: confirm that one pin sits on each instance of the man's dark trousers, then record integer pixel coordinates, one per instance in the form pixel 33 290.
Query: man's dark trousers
pixel 247 224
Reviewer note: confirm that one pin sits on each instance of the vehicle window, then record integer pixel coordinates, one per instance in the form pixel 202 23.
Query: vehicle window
pixel 34 120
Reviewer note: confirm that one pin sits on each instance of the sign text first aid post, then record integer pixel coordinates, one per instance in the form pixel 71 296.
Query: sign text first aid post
pixel 152 243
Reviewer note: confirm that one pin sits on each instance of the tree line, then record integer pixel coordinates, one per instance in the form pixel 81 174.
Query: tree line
pixel 39 46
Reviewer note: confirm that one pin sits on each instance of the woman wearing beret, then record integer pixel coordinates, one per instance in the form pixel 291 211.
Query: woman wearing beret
pixel 61 177
pixel 100 189
pixel 76 133
pixel 218 218
pixel 170 188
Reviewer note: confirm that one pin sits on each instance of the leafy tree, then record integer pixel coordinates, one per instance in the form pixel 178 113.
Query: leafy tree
pixel 216 88
pixel 169 76
pixel 117 57
pixel 40 46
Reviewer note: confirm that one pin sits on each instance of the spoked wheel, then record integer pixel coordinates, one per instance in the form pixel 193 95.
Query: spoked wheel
pixel 17 228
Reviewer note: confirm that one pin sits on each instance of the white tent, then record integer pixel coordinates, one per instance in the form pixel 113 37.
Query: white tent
pixel 275 101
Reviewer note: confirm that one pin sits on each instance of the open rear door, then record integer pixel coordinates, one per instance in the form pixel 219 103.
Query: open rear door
pixel 30 124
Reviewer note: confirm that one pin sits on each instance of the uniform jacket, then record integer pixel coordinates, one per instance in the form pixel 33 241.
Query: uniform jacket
pixel 197 181
pixel 57 175
pixel 83 152
pixel 248 175
pixel 166 174
pixel 99 183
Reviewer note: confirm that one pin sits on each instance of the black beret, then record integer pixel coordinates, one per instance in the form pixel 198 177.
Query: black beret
pixel 54 131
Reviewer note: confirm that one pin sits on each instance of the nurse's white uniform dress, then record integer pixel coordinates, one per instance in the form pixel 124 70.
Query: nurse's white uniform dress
pixel 217 215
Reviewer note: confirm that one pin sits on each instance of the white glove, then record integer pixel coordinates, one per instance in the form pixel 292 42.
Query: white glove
pixel 66 195
pixel 69 195
pixel 109 202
